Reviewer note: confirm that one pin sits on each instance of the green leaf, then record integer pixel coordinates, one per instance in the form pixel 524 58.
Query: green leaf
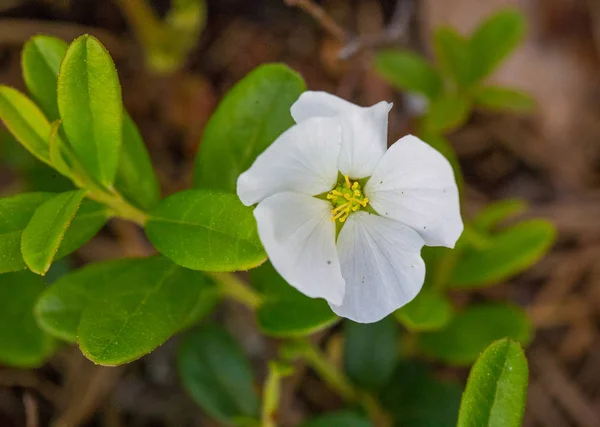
pixel 136 178
pixel 497 388
pixel 26 122
pixel 46 230
pixel 429 311
pixel 339 419
pixel 494 39
pixel 416 399
pixel 154 286
pixel 285 312
pixel 472 330
pixel 445 114
pixel 370 352
pixel 408 71
pixel 497 98
pixel 22 343
pixel 89 101
pixel 250 117
pixel 206 230
pixel 58 153
pixel 506 254
pixel 217 374
pixel 88 221
pixel 40 59
pixel 497 212
pixel 453 54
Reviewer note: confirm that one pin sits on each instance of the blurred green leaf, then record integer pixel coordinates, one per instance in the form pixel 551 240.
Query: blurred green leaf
pixel 445 114
pixel 121 310
pixel 40 59
pixel 506 254
pixel 46 230
pixel 217 374
pixel 408 71
pixel 494 213
pixel 494 39
pixel 249 118
pixel 338 419
pixel 504 99
pixel 429 311
pixel 91 109
pixel 285 312
pixel 26 122
pixel 22 343
pixel 497 388
pixel 206 230
pixel 370 352
pixel 416 399
pixel 472 330
pixel 453 54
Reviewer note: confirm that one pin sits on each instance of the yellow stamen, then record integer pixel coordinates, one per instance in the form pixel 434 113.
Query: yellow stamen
pixel 346 197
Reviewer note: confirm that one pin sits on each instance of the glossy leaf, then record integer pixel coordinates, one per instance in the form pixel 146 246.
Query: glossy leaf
pixel 250 117
pixel 497 388
pixel 217 374
pixel 472 330
pixel 505 255
pixel 285 312
pixel 416 399
pixel 408 71
pixel 370 352
pixel 453 54
pixel 26 122
pixel 117 289
pixel 91 109
pixel 40 59
pixel 494 39
pixel 446 114
pixel 497 98
pixel 206 230
pixel 494 213
pixel 339 419
pixel 429 311
pixel 22 343
pixel 47 228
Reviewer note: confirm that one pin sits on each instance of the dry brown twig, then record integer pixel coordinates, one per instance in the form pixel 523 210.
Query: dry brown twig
pixel 321 16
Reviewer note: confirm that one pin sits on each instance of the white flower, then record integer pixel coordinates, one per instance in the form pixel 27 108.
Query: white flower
pixel 331 171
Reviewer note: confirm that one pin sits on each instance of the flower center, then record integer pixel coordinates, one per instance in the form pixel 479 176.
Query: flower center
pixel 346 197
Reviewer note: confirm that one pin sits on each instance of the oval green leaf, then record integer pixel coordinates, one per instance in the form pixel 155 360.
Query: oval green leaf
pixel 429 311
pixel 40 60
pixel 505 255
pixel 494 39
pixel 46 230
pixel 446 114
pixel 497 388
pixel 26 122
pixel 472 330
pixel 453 54
pixel 339 419
pixel 370 352
pixel 91 109
pixel 217 374
pixel 206 230
pixel 250 117
pixel 497 98
pixel 285 312
pixel 408 71
pixel 497 212
pixel 22 343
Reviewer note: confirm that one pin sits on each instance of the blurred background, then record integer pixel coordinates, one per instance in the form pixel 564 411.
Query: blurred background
pixel 173 76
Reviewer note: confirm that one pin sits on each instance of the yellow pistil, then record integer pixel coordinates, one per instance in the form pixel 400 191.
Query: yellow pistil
pixel 346 197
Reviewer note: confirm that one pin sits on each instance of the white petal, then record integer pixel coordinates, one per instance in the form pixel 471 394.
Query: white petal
pixel 303 160
pixel 382 266
pixel 299 237
pixel 415 184
pixel 364 140
pixel 320 104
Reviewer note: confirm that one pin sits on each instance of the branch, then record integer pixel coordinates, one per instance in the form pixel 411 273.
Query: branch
pixel 321 16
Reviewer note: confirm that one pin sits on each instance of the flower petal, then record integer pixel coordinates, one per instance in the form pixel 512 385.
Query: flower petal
pixel 320 104
pixel 382 266
pixel 414 184
pixel 299 237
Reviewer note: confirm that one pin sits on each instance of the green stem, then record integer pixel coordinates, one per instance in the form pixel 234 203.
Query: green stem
pixel 272 392
pixel 237 289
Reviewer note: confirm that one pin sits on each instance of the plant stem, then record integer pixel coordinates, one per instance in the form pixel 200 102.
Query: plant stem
pixel 272 392
pixel 321 16
pixel 237 289
pixel 115 201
